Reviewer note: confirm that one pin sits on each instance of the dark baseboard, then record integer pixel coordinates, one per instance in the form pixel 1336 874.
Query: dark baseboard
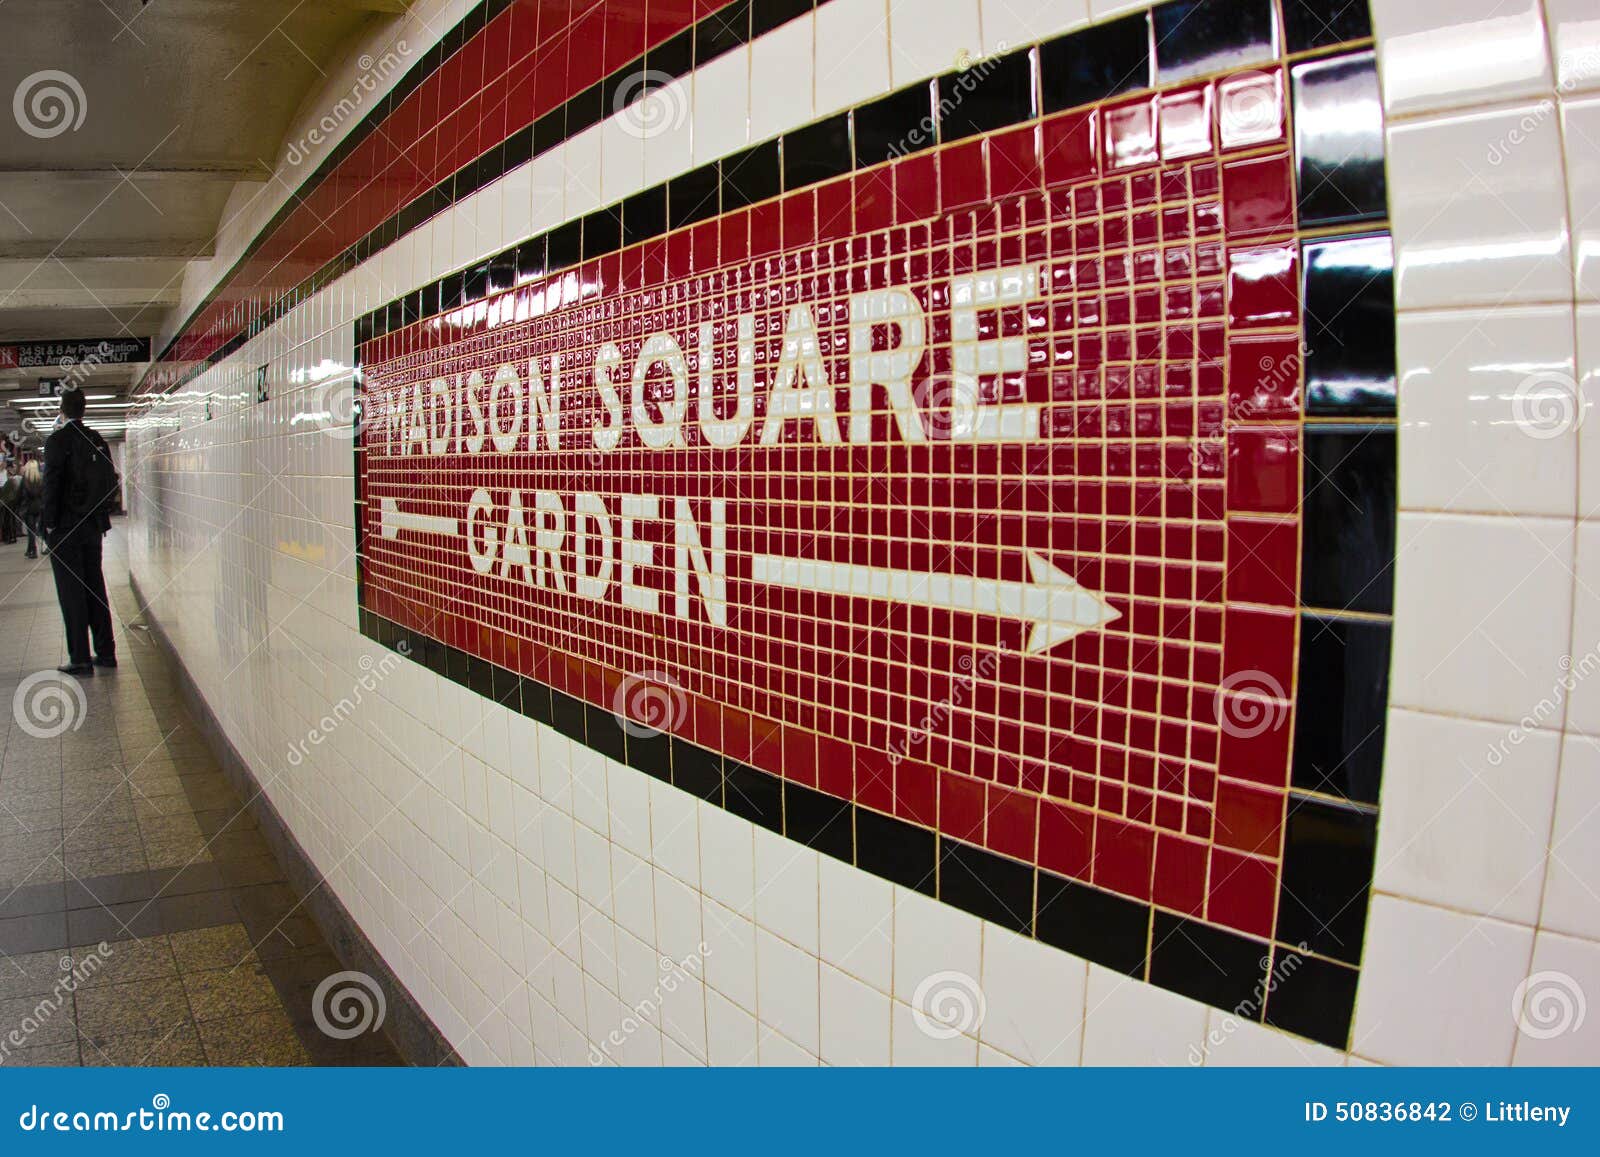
pixel 411 1031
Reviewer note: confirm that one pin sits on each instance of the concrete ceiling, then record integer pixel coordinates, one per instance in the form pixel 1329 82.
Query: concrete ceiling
pixel 124 127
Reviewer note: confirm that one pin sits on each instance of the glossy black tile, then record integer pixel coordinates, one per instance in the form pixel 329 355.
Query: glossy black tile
pixel 993 887
pixel 480 676
pixel 1327 873
pixel 587 109
pixel 697 771
pixel 604 733
pixel 507 689
pixel 819 821
pixel 1209 964
pixel 1343 692
pixel 651 754
pixel 644 215
pixel 536 702
pixel 1348 293
pixel 902 122
pixel 567 715
pixel 672 58
pixel 1087 66
pixel 721 32
pixel 695 196
pixel 818 152
pixel 755 795
pixel 602 232
pixel 897 851
pixel 1309 24
pixel 1110 930
pixel 994 93
pixel 766 15
pixel 754 175
pixel 532 260
pixel 1347 552
pixel 1338 129
pixel 1314 998
pixel 549 130
pixel 565 245
pixel 1199 36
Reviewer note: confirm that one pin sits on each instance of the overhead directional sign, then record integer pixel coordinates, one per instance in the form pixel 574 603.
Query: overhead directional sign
pixel 110 351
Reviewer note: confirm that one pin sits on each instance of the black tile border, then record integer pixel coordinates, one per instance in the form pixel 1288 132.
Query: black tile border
pixel 408 1027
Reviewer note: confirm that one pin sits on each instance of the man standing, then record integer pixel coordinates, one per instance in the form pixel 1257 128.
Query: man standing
pixel 80 484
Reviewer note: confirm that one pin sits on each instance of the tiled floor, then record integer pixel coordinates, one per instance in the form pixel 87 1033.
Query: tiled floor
pixel 143 919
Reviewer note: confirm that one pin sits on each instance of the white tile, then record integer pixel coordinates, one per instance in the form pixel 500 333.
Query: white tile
pixel 1128 1022
pixel 786 989
pixel 722 106
pixel 855 1021
pixel 731 954
pixel 784 60
pixel 622 155
pixel 1035 998
pixel 857 923
pixel 727 859
pixel 1588 329
pixel 1489 411
pixel 1232 1042
pixel 669 147
pixel 1466 813
pixel 633 893
pixel 1010 24
pixel 1555 1025
pixel 933 942
pixel 1574 27
pixel 1581 137
pixel 583 181
pixel 1421 968
pixel 1435 56
pixel 675 832
pixel 1572 889
pixel 547 208
pixel 989 1058
pixel 628 801
pixel 778 1051
pixel 678 929
pixel 1477 221
pixel 786 893
pixel 852 53
pixel 919 1041
pixel 1581 665
pixel 929 37
pixel 731 1033
pixel 1492 649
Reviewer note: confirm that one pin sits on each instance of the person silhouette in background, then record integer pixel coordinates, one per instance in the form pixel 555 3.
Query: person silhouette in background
pixel 80 485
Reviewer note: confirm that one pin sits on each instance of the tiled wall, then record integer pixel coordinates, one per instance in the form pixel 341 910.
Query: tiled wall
pixel 551 890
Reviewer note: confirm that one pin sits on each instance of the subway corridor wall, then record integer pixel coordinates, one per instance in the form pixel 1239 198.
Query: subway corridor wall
pixel 940 532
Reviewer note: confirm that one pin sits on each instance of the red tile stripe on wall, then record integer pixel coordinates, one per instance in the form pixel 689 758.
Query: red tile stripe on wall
pixel 530 59
pixel 1098 758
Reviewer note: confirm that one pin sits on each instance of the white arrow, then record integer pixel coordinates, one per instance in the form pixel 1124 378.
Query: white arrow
pixel 392 520
pixel 1053 602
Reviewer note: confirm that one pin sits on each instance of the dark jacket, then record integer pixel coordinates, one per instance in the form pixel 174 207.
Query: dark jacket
pixel 60 451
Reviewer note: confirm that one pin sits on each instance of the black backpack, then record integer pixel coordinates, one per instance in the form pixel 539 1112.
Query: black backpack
pixel 92 479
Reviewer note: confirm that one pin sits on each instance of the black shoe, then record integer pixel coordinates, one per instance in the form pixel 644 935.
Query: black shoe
pixel 109 662
pixel 31 554
pixel 78 670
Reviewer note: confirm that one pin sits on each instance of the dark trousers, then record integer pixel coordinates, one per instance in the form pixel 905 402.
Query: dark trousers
pixel 81 590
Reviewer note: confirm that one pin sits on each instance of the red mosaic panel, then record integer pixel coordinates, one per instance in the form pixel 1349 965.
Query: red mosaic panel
pixel 965 488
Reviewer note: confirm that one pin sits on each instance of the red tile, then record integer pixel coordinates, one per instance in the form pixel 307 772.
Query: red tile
pixel 1013 823
pixel 1264 285
pixel 1130 133
pixel 1264 470
pixel 1263 561
pixel 1066 839
pixel 1258 195
pixel 1180 875
pixel 1250 109
pixel 1248 819
pixel 961 175
pixel 1264 378
pixel 1123 857
pixel 1014 167
pixel 1243 892
pixel 962 808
